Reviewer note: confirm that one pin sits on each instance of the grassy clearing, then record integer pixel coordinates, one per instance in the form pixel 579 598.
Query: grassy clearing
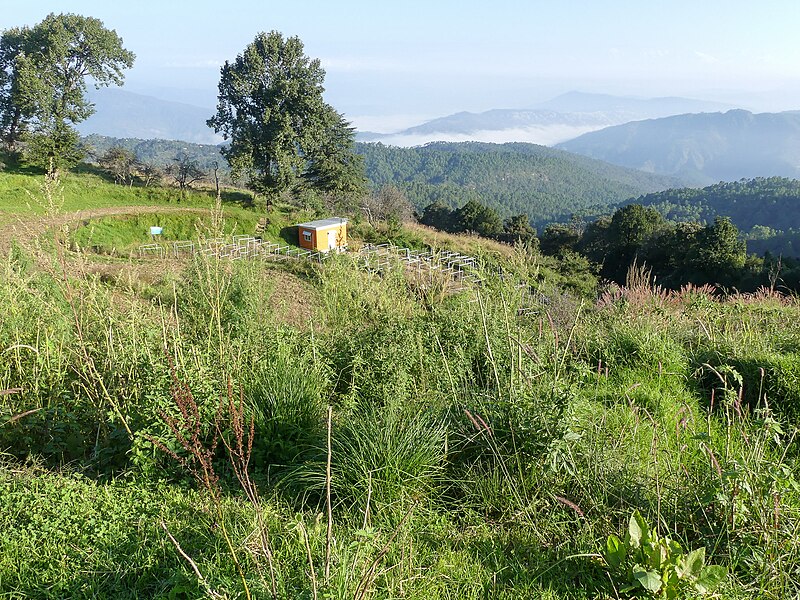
pixel 482 444
pixel 124 233
pixel 85 191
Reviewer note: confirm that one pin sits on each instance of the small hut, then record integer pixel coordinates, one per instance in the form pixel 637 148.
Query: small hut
pixel 323 235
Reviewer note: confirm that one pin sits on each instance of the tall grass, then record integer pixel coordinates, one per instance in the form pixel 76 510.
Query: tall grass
pixel 483 442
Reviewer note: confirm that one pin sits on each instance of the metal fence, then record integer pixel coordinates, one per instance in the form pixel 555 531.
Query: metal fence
pixel 235 248
pixel 460 268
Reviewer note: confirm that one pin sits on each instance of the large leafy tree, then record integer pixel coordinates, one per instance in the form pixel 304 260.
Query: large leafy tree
pixel 283 136
pixel 43 82
pixel 720 254
pixel 14 111
pixel 479 218
pixel 630 229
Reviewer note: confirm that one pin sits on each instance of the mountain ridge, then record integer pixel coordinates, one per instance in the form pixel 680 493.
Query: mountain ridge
pixel 123 114
pixel 701 148
pixel 557 120
pixel 545 183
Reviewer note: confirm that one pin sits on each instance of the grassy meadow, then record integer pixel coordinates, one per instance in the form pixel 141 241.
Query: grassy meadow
pixel 203 428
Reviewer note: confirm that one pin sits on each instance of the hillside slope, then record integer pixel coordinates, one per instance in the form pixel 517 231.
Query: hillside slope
pixel 124 114
pixel 701 148
pixel 546 184
pixel 766 210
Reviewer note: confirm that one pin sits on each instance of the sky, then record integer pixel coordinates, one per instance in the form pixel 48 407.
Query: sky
pixel 393 64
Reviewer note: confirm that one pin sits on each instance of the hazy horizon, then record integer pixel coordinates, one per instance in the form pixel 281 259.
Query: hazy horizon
pixel 389 67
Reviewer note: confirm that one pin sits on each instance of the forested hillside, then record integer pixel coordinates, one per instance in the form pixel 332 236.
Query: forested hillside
pixel 546 184
pixel 768 201
pixel 766 210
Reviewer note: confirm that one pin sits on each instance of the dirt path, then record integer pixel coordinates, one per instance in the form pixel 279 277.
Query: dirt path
pixel 28 228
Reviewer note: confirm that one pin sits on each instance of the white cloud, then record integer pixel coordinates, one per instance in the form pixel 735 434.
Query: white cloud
pixel 547 135
pixel 709 59
pixel 387 123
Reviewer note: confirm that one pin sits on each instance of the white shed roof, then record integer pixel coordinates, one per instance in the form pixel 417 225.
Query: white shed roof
pixel 323 223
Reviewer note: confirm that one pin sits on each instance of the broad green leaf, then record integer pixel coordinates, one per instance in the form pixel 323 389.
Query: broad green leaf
pixel 671 592
pixel 637 530
pixel 615 551
pixel 655 555
pixel 710 577
pixel 675 551
pixel 693 563
pixel 649 580
pixel 671 580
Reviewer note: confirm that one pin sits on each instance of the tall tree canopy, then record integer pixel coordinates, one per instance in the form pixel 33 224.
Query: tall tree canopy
pixel 43 73
pixel 14 110
pixel 283 136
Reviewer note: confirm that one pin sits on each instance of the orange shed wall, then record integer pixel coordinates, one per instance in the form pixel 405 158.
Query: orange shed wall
pixel 304 244
pixel 319 238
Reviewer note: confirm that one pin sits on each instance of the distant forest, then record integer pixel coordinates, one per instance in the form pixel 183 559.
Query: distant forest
pixel 765 209
pixel 545 184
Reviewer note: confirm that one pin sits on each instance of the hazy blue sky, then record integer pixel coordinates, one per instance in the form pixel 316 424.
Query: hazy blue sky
pixel 429 58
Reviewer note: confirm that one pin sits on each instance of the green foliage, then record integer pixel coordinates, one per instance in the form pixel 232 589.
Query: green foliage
pixel 719 252
pixel 628 231
pixel 545 184
pixel 479 219
pixel 475 218
pixel 285 390
pixel 46 67
pixel 383 459
pixel 283 135
pixel 470 428
pixel 645 563
pixel 558 237
pixel 766 207
pixel 518 229
pixel 675 253
pixel 121 163
pixel 53 148
pixel 13 111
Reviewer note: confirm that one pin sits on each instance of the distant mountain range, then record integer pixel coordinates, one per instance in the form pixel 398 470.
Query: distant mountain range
pixel 701 148
pixel 696 148
pixel 556 120
pixel 123 114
